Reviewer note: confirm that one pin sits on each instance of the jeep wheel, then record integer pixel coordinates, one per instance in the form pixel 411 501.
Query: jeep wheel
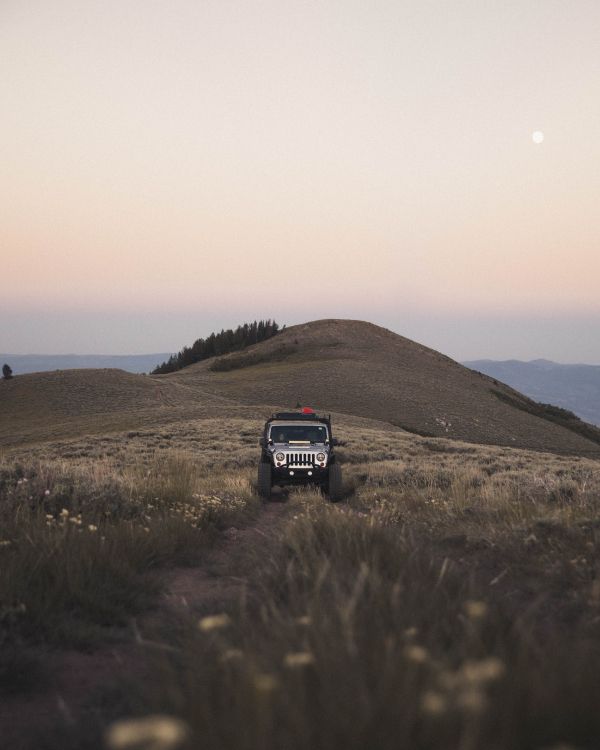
pixel 334 485
pixel 264 480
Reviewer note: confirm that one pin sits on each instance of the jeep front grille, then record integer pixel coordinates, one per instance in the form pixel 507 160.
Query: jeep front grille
pixel 300 459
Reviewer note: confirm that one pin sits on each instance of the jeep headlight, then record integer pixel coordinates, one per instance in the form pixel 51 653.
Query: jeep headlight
pixel 280 456
pixel 320 457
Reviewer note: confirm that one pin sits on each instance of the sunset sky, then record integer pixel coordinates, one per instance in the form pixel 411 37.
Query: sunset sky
pixel 169 168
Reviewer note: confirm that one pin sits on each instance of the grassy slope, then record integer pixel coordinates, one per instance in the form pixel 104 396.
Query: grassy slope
pixel 63 404
pixel 574 387
pixel 450 602
pixel 358 368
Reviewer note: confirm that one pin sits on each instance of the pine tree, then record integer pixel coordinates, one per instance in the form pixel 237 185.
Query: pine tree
pixel 7 372
pixel 216 344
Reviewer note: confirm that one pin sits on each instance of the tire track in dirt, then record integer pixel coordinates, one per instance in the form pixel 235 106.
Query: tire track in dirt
pixel 211 587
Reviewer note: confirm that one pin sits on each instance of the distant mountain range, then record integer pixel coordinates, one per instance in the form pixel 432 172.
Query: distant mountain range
pixel 573 387
pixel 24 363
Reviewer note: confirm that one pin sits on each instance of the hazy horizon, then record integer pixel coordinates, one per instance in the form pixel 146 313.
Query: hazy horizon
pixel 454 338
pixel 172 169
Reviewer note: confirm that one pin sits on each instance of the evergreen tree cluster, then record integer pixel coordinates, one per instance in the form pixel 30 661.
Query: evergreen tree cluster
pixel 220 343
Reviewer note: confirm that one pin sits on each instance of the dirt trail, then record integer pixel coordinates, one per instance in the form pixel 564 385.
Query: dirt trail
pixel 214 585
pixel 66 699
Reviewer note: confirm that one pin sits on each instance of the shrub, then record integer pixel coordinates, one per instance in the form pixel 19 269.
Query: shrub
pixel 238 361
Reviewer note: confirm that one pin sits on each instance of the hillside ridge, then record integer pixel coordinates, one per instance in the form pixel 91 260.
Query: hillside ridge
pixel 360 368
pixel 348 367
pixel 575 387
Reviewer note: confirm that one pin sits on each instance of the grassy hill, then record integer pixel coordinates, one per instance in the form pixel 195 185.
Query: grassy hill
pixel 362 369
pixel 69 403
pixel 344 366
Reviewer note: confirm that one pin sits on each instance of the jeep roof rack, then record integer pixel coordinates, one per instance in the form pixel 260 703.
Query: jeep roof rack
pixel 295 415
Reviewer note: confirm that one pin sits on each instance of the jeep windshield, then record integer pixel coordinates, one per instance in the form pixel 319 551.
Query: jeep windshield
pixel 298 433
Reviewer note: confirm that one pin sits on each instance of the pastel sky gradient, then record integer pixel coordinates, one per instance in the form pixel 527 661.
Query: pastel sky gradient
pixel 172 167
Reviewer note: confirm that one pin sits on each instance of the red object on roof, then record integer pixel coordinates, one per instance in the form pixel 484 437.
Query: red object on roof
pixel 307 410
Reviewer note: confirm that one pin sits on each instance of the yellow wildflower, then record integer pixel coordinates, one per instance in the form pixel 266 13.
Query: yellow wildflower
pixel 433 703
pixel 265 683
pixel 214 622
pixel 148 733
pixel 476 610
pixel 485 670
pixel 232 654
pixel 298 659
pixel 416 654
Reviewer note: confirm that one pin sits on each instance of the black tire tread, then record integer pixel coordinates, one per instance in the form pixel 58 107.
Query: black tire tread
pixel 334 484
pixel 264 479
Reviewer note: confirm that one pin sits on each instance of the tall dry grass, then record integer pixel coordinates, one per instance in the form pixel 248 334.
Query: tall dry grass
pixel 451 602
pixel 434 610
pixel 79 545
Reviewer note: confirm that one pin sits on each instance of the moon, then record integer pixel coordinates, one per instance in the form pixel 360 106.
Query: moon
pixel 537 136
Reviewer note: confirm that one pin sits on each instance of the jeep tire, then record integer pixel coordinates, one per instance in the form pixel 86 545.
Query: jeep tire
pixel 264 479
pixel 334 483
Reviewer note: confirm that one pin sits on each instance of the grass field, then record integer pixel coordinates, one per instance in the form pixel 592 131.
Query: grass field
pixel 451 601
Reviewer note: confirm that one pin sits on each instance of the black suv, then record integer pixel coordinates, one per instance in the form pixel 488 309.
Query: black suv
pixel 298 448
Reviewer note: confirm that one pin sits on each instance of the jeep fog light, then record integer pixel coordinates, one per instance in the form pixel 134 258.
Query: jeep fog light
pixel 320 456
pixel 279 457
